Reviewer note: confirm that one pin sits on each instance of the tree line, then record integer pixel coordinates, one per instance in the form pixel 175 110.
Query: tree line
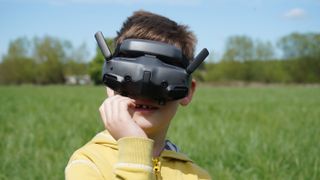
pixel 247 60
pixel 50 60
pixel 46 60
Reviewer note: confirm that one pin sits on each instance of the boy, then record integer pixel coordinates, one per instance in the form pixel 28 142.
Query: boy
pixel 133 146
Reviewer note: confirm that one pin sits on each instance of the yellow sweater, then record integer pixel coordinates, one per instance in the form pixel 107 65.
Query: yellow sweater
pixel 129 158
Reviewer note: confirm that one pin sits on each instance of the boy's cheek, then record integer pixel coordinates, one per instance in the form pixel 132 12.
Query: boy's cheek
pixel 171 106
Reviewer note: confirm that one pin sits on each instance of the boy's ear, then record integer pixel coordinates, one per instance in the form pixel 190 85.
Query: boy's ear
pixel 186 100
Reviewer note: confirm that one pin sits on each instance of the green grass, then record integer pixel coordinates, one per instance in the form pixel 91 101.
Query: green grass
pixel 234 133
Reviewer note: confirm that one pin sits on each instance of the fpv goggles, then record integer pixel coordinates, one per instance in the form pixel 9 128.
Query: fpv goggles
pixel 146 69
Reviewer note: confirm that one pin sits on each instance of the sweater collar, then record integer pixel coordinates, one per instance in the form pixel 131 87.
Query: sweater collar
pixel 170 151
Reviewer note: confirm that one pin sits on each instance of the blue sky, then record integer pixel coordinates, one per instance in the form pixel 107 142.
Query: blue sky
pixel 212 21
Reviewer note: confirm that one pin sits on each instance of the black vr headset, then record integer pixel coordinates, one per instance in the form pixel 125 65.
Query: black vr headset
pixel 147 69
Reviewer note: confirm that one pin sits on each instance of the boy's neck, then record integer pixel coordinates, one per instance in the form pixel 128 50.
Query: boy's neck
pixel 159 143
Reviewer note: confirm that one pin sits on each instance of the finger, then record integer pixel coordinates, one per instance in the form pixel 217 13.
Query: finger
pixel 115 108
pixel 130 105
pixel 108 112
pixel 102 114
pixel 123 109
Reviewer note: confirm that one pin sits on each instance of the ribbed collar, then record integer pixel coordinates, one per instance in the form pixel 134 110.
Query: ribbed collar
pixel 170 151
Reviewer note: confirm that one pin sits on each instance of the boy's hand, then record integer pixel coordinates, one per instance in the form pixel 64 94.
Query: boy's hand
pixel 116 116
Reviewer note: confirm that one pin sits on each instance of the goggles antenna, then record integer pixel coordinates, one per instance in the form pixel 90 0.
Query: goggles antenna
pixel 102 45
pixel 197 60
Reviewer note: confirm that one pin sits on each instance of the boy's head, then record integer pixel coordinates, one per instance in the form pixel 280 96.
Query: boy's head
pixel 149 26
pixel 146 25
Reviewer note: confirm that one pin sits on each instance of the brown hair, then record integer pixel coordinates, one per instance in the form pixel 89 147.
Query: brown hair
pixel 146 25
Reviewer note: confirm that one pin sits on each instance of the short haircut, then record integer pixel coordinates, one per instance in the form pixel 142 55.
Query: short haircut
pixel 150 26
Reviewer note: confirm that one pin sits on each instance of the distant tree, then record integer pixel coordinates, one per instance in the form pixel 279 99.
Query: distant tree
pixel 50 55
pixel 239 48
pixel 17 70
pixel 76 61
pixel 263 50
pixel 17 67
pixel 20 47
pixel 75 68
pixel 243 48
pixel 95 66
pixel 303 51
pixel 298 45
pixel 79 54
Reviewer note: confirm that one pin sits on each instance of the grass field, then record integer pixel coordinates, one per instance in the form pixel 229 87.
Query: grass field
pixel 234 133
